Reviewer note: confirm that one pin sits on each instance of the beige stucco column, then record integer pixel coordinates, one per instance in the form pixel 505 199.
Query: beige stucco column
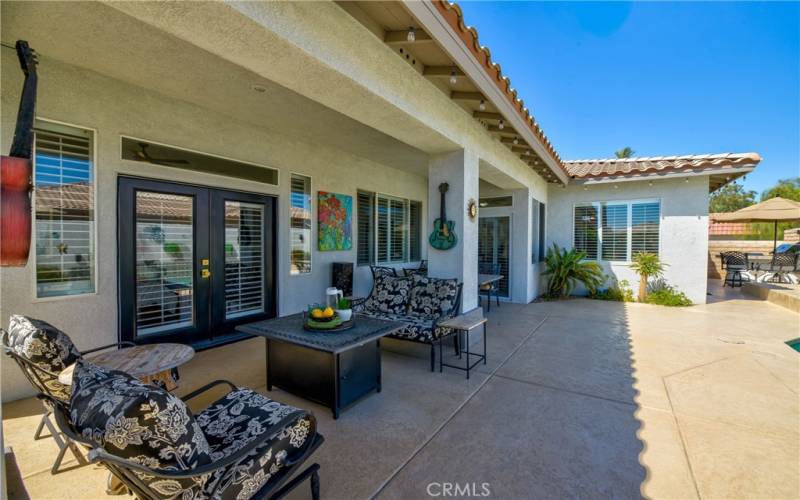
pixel 522 238
pixel 459 170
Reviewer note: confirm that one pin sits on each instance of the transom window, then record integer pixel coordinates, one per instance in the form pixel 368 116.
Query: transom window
pixel 389 229
pixel 64 208
pixel 615 231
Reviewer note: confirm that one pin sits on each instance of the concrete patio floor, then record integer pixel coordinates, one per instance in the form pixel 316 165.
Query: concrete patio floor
pixel 579 398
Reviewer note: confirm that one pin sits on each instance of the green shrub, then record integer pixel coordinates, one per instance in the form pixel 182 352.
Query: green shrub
pixel 617 292
pixel 567 268
pixel 668 296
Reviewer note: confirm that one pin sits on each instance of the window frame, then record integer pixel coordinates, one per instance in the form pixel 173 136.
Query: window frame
pixel 629 233
pixel 312 230
pixel 95 248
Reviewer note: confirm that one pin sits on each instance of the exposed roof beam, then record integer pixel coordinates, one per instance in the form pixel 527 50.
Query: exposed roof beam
pixel 486 115
pixel 442 71
pixel 401 37
pixel 466 96
pixel 520 142
pixel 504 131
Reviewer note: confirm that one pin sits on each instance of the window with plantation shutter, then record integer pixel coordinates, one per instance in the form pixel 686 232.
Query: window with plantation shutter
pixel 616 231
pixel 382 229
pixel 365 207
pixel 415 230
pixel 398 244
pixel 645 218
pixel 586 234
pixel 614 240
pixel 244 259
pixel 389 229
pixel 300 224
pixel 64 210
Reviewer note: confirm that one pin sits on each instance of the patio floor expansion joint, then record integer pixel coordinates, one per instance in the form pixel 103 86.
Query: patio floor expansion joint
pixel 682 437
pixel 458 409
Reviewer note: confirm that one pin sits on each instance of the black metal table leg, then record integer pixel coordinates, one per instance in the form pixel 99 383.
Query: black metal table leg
pixel 484 343
pixel 466 339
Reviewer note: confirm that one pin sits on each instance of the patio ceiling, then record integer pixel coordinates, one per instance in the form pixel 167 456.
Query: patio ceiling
pixel 392 21
pixel 107 41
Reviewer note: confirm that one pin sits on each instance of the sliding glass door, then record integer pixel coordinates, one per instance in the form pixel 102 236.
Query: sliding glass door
pixel 193 262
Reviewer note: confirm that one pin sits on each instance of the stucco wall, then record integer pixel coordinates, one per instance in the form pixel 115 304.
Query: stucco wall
pixel 683 228
pixel 91 100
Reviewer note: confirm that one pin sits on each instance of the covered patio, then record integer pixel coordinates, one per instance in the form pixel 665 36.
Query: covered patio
pixel 579 398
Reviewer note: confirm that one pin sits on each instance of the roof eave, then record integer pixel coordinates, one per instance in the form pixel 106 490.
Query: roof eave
pixel 730 173
pixel 440 29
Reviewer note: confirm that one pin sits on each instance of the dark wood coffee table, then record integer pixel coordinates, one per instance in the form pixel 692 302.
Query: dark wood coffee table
pixel 334 369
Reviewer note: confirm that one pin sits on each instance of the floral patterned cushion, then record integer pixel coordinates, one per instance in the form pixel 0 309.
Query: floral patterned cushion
pixel 46 347
pixel 419 328
pixel 154 428
pixel 389 295
pixel 135 421
pixel 432 296
pixel 236 420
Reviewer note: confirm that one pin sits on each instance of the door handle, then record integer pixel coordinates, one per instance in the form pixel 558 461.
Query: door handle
pixel 205 274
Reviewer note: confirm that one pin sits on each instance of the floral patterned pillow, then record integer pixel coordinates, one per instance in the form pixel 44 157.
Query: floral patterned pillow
pixel 46 347
pixel 432 296
pixel 135 421
pixel 389 295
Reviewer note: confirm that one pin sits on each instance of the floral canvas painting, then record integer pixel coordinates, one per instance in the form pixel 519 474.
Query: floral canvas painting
pixel 335 221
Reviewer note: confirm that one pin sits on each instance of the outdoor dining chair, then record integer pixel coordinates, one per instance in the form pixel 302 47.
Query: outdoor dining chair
pixel 782 267
pixel 736 267
pixel 42 351
pixel 490 288
pixel 243 446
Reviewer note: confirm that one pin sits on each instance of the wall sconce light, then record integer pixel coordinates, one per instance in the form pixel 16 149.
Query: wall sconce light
pixel 412 34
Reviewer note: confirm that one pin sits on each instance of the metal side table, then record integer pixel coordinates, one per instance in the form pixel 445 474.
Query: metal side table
pixel 463 325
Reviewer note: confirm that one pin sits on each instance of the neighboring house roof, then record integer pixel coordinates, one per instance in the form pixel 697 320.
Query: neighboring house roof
pixel 738 164
pixel 716 228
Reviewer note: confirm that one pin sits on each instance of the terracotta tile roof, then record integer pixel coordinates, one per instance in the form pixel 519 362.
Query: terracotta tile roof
pixel 469 36
pixel 581 169
pixel 716 228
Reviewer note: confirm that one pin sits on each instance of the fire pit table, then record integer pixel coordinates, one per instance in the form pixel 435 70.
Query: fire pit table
pixel 334 368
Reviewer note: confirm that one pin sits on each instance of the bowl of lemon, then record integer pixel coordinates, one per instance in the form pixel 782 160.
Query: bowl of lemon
pixel 320 317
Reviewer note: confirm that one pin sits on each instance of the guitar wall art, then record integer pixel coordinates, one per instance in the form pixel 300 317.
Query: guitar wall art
pixel 443 236
pixel 16 171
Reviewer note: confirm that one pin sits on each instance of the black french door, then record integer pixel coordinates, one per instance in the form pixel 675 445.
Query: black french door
pixel 194 262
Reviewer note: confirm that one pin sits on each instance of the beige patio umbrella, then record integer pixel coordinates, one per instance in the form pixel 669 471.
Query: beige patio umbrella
pixel 772 210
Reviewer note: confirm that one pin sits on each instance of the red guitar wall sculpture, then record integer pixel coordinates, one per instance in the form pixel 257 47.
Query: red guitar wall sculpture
pixel 16 171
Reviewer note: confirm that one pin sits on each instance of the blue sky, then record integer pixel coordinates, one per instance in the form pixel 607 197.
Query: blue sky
pixel 663 78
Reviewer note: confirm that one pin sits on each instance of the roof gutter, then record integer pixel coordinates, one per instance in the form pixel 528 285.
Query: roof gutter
pixel 437 27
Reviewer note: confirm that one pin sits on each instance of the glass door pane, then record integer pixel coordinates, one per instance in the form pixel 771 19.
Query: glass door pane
pixel 244 259
pixel 164 262
pixel 494 242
